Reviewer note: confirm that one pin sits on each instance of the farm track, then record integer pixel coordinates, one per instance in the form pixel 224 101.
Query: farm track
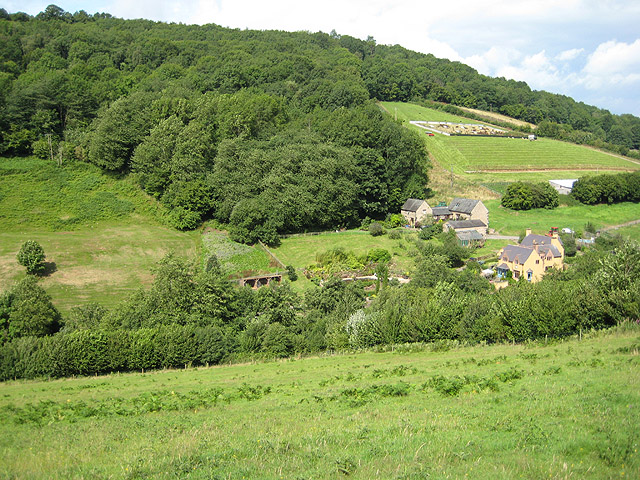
pixel 550 169
pixel 622 225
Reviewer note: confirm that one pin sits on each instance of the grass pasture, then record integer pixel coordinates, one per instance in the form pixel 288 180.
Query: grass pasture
pixel 510 222
pixel 492 159
pixel 99 233
pixel 237 259
pixel 567 409
pixel 506 155
pixel 300 250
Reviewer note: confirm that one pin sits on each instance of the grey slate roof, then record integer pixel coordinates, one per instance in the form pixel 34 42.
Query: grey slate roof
pixel 412 205
pixel 441 211
pixel 469 235
pixel 511 252
pixel 456 224
pixel 542 240
pixel 533 239
pixel 503 266
pixel 546 248
pixel 462 205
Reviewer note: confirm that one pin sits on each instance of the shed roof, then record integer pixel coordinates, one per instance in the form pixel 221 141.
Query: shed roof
pixel 469 235
pixel 412 204
pixel 457 224
pixel 462 205
pixel 441 211
pixel 564 183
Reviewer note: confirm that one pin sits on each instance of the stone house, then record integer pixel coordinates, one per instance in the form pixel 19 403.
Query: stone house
pixel 459 226
pixel 467 209
pixel 532 258
pixel 415 211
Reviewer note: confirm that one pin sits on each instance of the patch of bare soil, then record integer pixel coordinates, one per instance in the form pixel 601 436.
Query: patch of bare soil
pixel 9 270
pixel 83 276
pixel 497 117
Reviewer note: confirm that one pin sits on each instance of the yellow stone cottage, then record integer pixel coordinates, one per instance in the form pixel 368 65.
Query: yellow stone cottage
pixel 532 258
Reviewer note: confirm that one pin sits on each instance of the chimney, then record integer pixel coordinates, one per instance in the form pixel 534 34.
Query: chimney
pixel 527 232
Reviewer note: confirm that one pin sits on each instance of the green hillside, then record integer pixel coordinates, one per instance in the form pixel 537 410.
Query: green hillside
pixel 487 159
pixel 568 409
pixel 101 235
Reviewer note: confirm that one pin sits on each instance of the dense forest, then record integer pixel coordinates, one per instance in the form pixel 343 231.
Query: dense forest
pixel 266 131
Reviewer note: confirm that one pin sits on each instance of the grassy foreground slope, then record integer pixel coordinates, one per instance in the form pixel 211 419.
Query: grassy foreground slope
pixel 563 410
pixel 100 234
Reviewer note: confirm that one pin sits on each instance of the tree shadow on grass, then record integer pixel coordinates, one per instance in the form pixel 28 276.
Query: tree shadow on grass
pixel 49 268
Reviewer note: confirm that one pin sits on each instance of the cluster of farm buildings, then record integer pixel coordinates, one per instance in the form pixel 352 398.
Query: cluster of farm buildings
pixel 469 219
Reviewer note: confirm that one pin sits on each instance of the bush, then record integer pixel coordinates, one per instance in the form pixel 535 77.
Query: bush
pixel 292 274
pixel 525 196
pixel 377 255
pixel 375 229
pixel 31 256
pixel 395 220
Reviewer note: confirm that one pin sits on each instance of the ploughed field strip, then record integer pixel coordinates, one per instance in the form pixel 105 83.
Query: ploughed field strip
pixel 477 154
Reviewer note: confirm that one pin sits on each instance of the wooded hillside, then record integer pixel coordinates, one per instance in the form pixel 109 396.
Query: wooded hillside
pixel 267 131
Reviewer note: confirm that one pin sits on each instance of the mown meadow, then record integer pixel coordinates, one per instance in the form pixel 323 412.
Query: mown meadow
pixel 101 234
pixel 487 159
pixel 562 409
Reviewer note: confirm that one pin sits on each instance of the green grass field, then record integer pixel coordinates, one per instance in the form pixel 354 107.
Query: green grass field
pixel 568 409
pixel 300 251
pixel 100 233
pixel 632 232
pixel 487 159
pixel 510 222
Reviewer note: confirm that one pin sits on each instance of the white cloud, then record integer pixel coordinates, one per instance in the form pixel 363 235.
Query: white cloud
pixel 569 54
pixel 614 57
pixel 612 63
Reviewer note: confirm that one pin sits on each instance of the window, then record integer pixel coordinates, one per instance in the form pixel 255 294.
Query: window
pixel 537 262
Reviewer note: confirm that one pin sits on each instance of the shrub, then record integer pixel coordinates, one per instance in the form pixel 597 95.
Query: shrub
pixel 377 255
pixel 375 229
pixel 31 256
pixel 395 234
pixel 525 196
pixel 291 273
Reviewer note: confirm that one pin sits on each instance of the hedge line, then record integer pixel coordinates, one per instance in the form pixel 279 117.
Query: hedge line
pixel 89 352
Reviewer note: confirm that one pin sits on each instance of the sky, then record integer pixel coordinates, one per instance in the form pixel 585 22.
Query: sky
pixel 587 49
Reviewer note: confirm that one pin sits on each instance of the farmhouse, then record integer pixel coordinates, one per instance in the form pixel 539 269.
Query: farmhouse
pixel 563 187
pixel 466 209
pixel 415 211
pixel 532 258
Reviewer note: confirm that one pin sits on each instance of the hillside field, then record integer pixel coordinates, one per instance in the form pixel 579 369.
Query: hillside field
pixel 487 159
pixel 301 250
pixel 568 409
pixel 101 234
